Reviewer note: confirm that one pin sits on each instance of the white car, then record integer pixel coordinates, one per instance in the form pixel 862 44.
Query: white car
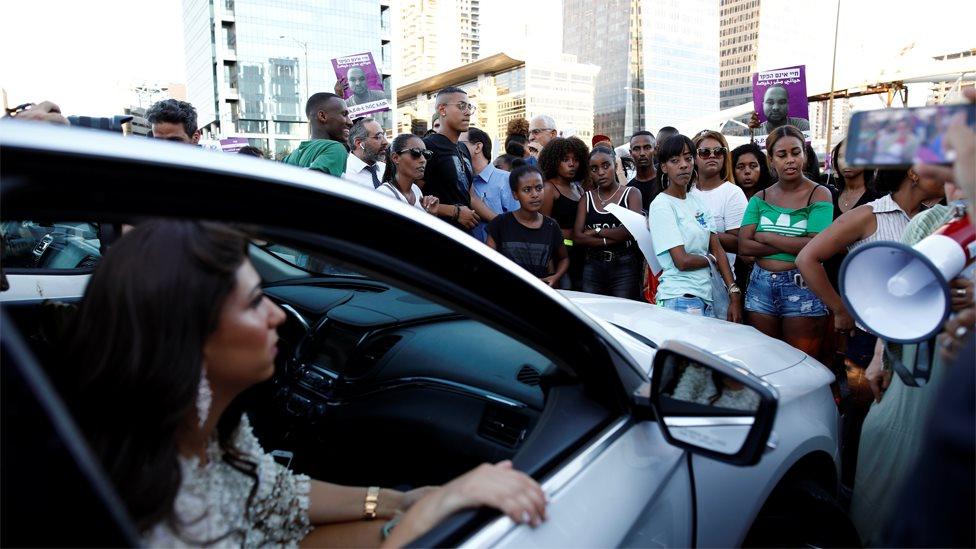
pixel 413 352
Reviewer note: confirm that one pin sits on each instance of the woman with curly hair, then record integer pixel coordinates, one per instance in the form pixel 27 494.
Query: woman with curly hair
pixel 561 162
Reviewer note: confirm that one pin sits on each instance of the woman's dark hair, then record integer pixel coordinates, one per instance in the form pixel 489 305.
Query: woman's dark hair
pixel 839 181
pixel 672 147
pixel 751 148
pixel 251 151
pixel 520 172
pixel 399 143
pixel 812 165
pixel 137 356
pixel 889 181
pixel 515 145
pixel 780 133
pixel 557 149
pixel 504 162
pixel 518 126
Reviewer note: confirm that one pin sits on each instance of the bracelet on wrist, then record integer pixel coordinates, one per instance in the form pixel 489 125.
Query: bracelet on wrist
pixel 371 502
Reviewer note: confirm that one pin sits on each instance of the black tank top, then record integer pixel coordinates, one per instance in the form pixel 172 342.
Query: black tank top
pixel 595 218
pixel 564 210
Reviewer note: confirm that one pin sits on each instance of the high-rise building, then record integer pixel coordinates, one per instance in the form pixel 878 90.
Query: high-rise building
pixel 680 61
pixel 739 49
pixel 504 88
pixel 436 35
pixel 606 33
pixel 658 64
pixel 252 64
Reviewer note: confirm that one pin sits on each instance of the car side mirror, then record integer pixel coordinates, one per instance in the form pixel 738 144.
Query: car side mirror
pixel 710 406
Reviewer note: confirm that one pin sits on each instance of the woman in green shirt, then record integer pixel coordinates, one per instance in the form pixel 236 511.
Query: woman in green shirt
pixel 778 223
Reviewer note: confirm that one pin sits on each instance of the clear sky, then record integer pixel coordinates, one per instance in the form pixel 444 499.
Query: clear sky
pixel 85 54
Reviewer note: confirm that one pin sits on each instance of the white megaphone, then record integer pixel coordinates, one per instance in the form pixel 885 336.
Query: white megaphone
pixel 901 293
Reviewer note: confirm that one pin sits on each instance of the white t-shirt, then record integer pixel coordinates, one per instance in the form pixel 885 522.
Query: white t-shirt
pixel 727 204
pixel 390 190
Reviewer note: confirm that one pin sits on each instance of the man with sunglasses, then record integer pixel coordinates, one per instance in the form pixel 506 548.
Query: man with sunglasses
pixel 450 175
pixel 328 118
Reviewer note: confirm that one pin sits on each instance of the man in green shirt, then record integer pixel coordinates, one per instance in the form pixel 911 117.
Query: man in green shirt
pixel 326 151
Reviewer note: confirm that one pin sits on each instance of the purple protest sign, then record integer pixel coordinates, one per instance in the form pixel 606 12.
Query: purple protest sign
pixel 779 97
pixel 233 144
pixel 365 93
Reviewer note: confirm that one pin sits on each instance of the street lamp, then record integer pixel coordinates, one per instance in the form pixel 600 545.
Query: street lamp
pixel 304 46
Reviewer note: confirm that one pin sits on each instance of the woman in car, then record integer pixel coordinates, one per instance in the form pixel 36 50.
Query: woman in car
pixel 778 223
pixel 172 329
pixel 684 235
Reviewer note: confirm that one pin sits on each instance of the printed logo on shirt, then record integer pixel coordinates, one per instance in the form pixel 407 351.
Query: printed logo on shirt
pixel 783 225
pixel 700 218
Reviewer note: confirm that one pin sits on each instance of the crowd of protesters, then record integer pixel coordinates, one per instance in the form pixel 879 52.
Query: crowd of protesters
pixel 746 235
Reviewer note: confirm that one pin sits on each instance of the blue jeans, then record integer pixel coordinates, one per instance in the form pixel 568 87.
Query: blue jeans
pixel 692 305
pixel 614 274
pixel 781 294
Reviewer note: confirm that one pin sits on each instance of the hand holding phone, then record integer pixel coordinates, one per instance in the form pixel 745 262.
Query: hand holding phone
pixel 899 138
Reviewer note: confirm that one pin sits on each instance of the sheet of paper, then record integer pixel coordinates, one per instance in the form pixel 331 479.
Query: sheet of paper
pixel 636 223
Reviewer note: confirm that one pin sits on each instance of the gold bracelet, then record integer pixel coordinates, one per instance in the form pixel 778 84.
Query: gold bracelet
pixel 371 503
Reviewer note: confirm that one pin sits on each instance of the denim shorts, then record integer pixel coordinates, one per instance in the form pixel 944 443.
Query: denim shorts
pixel 781 294
pixel 692 305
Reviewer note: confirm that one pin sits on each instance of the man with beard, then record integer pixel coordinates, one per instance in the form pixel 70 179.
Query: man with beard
pixel 361 93
pixel 776 107
pixel 368 144
pixel 643 148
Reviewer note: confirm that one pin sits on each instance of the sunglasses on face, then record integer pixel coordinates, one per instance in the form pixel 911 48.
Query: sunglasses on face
pixel 418 152
pixel 708 153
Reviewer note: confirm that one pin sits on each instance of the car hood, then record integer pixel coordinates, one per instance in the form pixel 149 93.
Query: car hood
pixel 738 343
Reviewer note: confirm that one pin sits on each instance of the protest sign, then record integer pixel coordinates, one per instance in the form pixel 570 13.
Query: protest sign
pixel 779 97
pixel 365 93
pixel 233 144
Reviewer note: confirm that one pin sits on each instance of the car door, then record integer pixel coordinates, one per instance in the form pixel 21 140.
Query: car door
pixel 622 484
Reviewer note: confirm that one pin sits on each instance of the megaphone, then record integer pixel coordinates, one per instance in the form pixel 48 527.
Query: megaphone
pixel 901 293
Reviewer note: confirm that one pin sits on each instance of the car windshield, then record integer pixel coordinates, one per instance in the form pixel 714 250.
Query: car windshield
pixel 307 261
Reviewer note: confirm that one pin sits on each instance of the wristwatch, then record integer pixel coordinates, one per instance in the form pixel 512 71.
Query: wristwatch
pixel 734 289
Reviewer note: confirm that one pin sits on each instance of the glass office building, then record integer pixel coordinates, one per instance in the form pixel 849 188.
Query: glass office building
pixel 251 64
pixel 659 60
pixel 681 61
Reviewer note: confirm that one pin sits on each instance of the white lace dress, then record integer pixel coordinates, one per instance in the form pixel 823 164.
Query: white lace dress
pixel 211 506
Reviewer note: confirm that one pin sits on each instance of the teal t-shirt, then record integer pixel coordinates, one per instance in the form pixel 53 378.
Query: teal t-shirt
pixel 324 155
pixel 675 222
pixel 769 218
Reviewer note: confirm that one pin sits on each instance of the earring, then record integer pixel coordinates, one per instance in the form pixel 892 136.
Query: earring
pixel 664 181
pixel 204 399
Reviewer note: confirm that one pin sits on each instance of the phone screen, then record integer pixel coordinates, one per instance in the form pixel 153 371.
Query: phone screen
pixel 902 137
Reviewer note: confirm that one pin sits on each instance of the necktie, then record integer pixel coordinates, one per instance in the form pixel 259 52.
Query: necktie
pixel 372 172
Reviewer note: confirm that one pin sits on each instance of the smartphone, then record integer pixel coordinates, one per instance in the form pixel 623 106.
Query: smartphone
pixel 898 138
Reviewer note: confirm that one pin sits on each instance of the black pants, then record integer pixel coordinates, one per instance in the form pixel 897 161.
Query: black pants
pixel 612 273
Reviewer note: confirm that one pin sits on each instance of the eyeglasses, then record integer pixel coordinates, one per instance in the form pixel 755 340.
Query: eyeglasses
pixel 417 152
pixel 537 131
pixel 708 153
pixel 466 107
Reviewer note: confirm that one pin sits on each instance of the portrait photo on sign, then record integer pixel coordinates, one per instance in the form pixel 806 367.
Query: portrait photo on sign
pixel 779 97
pixel 365 93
